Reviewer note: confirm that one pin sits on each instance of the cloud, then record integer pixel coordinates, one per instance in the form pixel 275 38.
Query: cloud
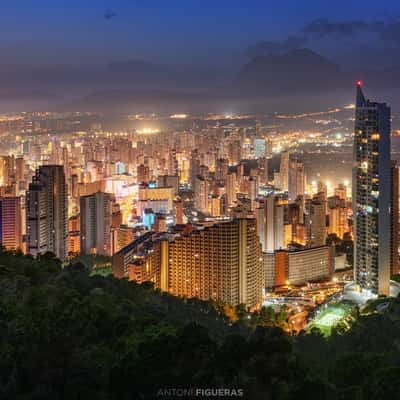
pixel 388 32
pixel 275 47
pixel 320 28
pixel 354 42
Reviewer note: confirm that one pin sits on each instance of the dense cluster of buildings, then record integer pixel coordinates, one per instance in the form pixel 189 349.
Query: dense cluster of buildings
pixel 202 213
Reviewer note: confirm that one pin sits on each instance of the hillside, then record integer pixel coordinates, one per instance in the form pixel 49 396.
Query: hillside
pixel 284 74
pixel 66 335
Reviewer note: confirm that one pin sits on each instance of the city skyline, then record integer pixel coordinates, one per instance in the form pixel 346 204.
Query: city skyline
pixel 96 193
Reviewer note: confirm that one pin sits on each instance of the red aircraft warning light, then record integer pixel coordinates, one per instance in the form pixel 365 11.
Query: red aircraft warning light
pixel 359 83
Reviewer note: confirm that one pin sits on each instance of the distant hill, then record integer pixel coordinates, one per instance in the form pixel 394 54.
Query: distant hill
pixel 299 71
pixel 269 79
pixel 298 80
pixel 289 73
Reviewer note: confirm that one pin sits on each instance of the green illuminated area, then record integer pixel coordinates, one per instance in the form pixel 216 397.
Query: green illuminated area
pixel 339 316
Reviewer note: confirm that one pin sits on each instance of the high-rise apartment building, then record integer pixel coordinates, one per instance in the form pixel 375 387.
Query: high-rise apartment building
pixel 221 169
pixel 338 216
pixel 234 152
pixel 371 195
pixel 284 171
pixel 297 183
pixel 394 224
pixel 221 262
pixel 95 224
pixel 47 211
pixel 201 194
pixel 7 167
pixel 270 223
pixel 259 147
pixel 74 236
pixel 315 222
pixel 264 171
pixel 231 188
pixel 10 223
pixel 178 211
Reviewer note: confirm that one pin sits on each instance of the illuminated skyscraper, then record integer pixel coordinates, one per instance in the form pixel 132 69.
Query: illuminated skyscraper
pixel 20 172
pixel 231 188
pixel 7 167
pixel 95 223
pixel 315 222
pixel 172 163
pixel 234 152
pixel 178 208
pixel 371 195
pixel 259 147
pixel 10 223
pixel 263 166
pixel 270 223
pixel 284 171
pixel 194 167
pixel 221 169
pixel 46 212
pixel 337 212
pixel 74 235
pixel 394 225
pixel 297 184
pixel 201 194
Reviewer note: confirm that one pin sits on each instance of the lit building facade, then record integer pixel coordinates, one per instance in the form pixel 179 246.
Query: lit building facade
pixel 284 171
pixel 201 191
pixel 221 262
pixel 10 223
pixel 394 224
pixel 297 181
pixel 270 223
pixel 47 211
pixel 371 195
pixel 315 222
pixel 95 224
pixel 298 267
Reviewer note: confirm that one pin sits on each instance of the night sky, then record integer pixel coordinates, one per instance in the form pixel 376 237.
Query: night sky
pixel 197 32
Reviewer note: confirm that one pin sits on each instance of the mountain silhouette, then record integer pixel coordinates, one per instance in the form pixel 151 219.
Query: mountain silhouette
pixel 296 79
pixel 295 71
